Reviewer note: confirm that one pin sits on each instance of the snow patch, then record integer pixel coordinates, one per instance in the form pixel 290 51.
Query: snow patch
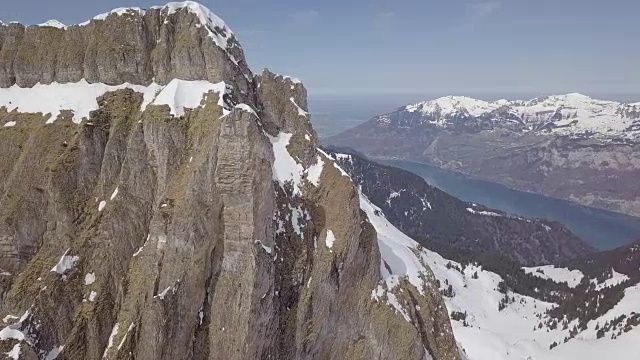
pixel 65 263
pixel 115 193
pixel 92 296
pixel 559 275
pixel 314 172
pixel 142 247
pixel 180 95
pixel 485 213
pixel 15 331
pixel 293 79
pixel 53 354
pixel 10 124
pixel 8 318
pixel 81 97
pixel 615 279
pixel 287 170
pixel 164 293
pixel 15 352
pixel 125 336
pixel 285 167
pixel 89 279
pixel 297 218
pixel 301 112
pixel 247 108
pixel 330 240
pixel 266 248
pixel 102 205
pixel 114 333
pixel 53 23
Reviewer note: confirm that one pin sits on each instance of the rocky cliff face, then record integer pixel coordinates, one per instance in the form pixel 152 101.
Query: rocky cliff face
pixel 125 45
pixel 157 230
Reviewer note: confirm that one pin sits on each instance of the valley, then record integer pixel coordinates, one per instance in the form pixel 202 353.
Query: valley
pixel 602 229
pixel 569 146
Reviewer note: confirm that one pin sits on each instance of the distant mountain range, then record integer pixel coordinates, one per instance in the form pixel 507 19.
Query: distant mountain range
pixel 567 146
pixel 575 115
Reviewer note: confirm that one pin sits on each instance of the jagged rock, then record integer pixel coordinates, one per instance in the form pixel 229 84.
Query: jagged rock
pixel 133 46
pixel 141 234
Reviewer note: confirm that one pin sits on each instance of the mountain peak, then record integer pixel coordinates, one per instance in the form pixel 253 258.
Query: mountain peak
pixel 53 23
pixel 452 104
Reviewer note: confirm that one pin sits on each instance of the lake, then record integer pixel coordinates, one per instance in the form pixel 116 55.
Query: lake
pixel 602 229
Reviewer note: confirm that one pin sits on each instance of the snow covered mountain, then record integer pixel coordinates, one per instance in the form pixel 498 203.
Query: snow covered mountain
pixel 571 114
pixel 569 146
pixel 161 201
pixel 493 321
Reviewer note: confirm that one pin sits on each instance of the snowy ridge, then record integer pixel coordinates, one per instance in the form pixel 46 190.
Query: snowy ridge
pixel 488 333
pixel 117 11
pixel 569 114
pixel 454 104
pixel 53 23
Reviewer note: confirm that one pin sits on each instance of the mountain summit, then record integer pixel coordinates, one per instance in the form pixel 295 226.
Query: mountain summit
pixel 160 201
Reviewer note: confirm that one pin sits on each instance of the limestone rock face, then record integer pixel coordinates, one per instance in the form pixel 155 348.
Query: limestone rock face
pixel 138 234
pixel 135 46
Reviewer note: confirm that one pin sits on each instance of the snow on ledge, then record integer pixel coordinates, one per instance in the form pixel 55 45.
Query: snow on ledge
pixel 615 279
pixel 266 248
pixel 558 275
pixel 53 23
pixel 118 11
pixel 330 240
pixel 81 97
pixel 485 213
pixel 15 352
pixel 89 279
pixel 287 169
pixel 247 108
pixel 293 79
pixel 301 112
pixel 65 264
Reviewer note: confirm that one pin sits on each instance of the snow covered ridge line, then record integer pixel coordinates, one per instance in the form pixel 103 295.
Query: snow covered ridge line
pixel 565 114
pixel 81 97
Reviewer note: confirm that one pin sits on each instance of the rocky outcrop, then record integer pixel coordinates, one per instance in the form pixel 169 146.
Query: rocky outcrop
pixel 142 234
pixel 134 46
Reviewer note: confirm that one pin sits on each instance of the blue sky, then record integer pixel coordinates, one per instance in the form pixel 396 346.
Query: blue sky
pixel 420 46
